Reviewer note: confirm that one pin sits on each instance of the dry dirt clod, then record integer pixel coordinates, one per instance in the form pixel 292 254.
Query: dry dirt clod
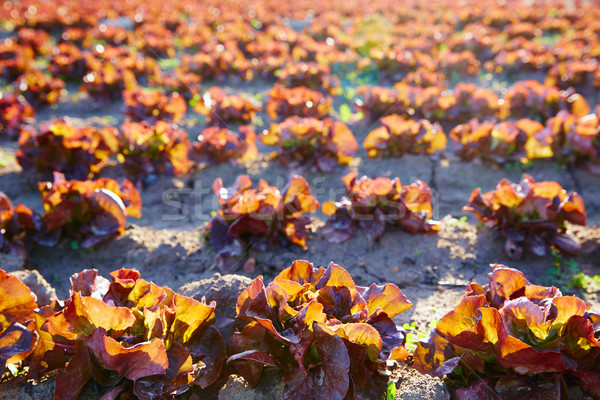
pixel 414 385
pixel 38 285
pixel 224 290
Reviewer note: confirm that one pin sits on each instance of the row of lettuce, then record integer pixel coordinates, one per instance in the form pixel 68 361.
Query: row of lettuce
pixel 155 146
pixel 316 46
pixel 532 216
pixel 326 335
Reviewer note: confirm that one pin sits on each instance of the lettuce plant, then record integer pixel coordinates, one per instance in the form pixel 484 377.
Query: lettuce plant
pixel 88 211
pixel 301 101
pixel 130 336
pixel 15 224
pixel 472 101
pixel 147 150
pixel 258 217
pixel 565 138
pixel 570 139
pixel 15 112
pixel 105 82
pixel 531 99
pixel 308 74
pixel 398 136
pixel 326 334
pixel 15 59
pixel 512 339
pixel 497 142
pixel 372 204
pixel 153 105
pixel 531 215
pixel 465 64
pixel 38 88
pixel 511 60
pixel 79 153
pixel 217 61
pixel 321 143
pixel 218 107
pixel 378 101
pixel 36 39
pixel 67 62
pixel 17 326
pixel 579 74
pixel 424 78
pixel 154 40
pixel 217 145
pixel 432 103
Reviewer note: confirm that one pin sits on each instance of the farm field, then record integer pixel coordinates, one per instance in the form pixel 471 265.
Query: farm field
pixel 448 153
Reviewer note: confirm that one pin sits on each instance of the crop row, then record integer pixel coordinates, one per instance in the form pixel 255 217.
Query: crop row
pixel 150 148
pixel 533 216
pixel 221 40
pixel 325 334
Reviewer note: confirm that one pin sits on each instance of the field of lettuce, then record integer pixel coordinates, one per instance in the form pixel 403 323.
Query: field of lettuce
pixel 254 199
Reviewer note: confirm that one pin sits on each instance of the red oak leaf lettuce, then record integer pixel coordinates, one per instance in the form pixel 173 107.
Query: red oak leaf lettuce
pixel 513 339
pixel 218 145
pixel 147 150
pixel 300 101
pixel 326 334
pixel 220 108
pixel 372 204
pixel 15 224
pixel 258 217
pixel 17 326
pixel 321 143
pixel 88 211
pixel 78 153
pixel 531 215
pixel 15 112
pixel 398 136
pixel 131 336
pixel 153 105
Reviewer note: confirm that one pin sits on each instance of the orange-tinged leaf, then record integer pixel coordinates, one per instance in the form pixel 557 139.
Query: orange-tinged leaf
pixel 300 271
pixel 125 277
pixel 343 140
pixel 566 307
pixel 85 314
pixel 349 179
pixel 399 354
pixel 525 320
pixel 16 343
pixel 336 276
pixel 135 362
pixel 463 318
pixel 329 208
pixel 524 359
pixel 389 298
pixel 146 295
pixel 250 293
pixel 17 302
pixel 504 282
pixel 381 186
pixel 190 316
pixel 363 334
